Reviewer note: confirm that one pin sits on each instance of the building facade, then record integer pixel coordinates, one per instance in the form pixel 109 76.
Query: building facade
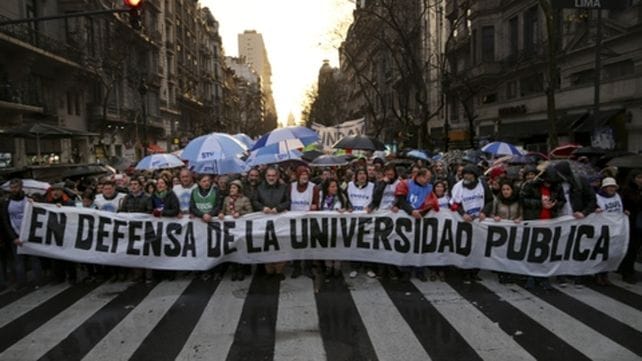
pixel 500 73
pixel 112 87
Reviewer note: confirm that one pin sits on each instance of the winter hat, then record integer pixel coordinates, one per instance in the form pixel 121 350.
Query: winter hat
pixel 496 172
pixel 471 169
pixel 608 181
pixel 237 183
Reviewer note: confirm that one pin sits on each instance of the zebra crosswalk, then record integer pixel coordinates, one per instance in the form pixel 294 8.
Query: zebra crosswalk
pixel 348 319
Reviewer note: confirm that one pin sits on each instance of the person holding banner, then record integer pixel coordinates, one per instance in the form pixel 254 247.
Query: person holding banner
pixel 205 204
pixel 236 204
pixel 542 198
pixel 416 198
pixel 304 196
pixel 632 200
pixel 184 190
pixel 360 196
pixel 272 197
pixel 109 200
pixel 469 197
pixel 383 197
pixel 333 198
pixel 137 201
pixel 12 214
pixel 609 201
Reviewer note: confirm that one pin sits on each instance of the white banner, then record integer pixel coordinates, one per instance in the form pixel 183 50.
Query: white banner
pixel 330 135
pixel 540 248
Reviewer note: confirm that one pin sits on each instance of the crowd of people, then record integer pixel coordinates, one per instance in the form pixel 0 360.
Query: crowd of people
pixel 475 191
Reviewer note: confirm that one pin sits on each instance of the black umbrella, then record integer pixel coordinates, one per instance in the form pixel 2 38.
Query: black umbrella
pixel 627 161
pixel 311 155
pixel 329 161
pixel 589 151
pixel 361 142
pixel 86 170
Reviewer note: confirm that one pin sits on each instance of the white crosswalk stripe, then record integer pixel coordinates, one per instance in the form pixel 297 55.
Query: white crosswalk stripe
pixel 28 302
pixel 298 331
pixel 55 330
pixel 390 334
pixel 214 333
pixel 574 332
pixel 619 311
pixel 123 340
pixel 485 336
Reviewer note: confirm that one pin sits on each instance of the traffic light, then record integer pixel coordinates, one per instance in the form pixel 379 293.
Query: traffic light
pixel 135 13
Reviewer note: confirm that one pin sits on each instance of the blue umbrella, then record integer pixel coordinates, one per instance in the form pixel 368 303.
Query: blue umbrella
pixel 219 166
pixel 291 134
pixel 159 161
pixel 501 148
pixel 418 155
pixel 245 139
pixel 271 154
pixel 213 146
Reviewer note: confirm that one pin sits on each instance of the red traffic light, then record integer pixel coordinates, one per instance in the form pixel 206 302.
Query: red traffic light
pixel 133 3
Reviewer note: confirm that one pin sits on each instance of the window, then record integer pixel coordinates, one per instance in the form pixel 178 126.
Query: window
pixel 619 69
pixel 77 103
pixel 488 44
pixel 489 98
pixel 511 90
pixel 474 47
pixel 69 103
pixel 583 77
pixel 454 115
pixel 532 84
pixel 531 29
pixel 513 36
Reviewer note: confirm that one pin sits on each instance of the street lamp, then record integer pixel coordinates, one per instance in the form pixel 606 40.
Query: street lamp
pixel 142 90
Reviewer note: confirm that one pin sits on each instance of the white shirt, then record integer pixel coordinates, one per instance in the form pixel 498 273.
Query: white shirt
pixel 610 204
pixel 360 197
pixel 388 199
pixel 301 201
pixel 109 205
pixel 567 210
pixel 472 200
pixel 184 195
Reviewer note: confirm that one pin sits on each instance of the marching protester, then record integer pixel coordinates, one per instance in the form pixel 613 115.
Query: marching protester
pixel 272 197
pixel 63 270
pixel 304 196
pixel 440 190
pixel 252 181
pixel 184 190
pixel 12 214
pixel 542 198
pixel 416 198
pixel 164 201
pixel 360 196
pixel 632 201
pixel 236 204
pixel 469 196
pixel 609 201
pixel 332 198
pixel 109 200
pixel 205 204
pixel 137 202
pixel 383 197
pixel 505 206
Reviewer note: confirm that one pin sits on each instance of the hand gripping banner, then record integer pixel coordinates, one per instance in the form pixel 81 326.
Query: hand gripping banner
pixel 562 246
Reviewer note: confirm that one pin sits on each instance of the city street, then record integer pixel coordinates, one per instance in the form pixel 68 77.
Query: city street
pixel 359 319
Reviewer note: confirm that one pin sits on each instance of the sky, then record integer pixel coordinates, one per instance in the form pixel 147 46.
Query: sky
pixel 298 36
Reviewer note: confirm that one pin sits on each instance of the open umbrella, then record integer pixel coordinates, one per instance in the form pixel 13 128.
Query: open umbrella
pixel 418 154
pixel 220 166
pixel 329 161
pixel 627 161
pixel 589 151
pixel 245 139
pixel 564 151
pixel 501 148
pixel 213 146
pixel 578 168
pixel 159 161
pixel 361 142
pixel 297 137
pixel 311 155
pixel 272 154
pixel 87 170
pixel 30 186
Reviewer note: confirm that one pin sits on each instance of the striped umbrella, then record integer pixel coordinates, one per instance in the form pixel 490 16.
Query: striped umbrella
pixel 271 154
pixel 245 139
pixel 501 148
pixel 297 137
pixel 159 161
pixel 219 166
pixel 213 146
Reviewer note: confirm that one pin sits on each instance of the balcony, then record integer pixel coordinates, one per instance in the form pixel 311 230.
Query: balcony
pixel 25 34
pixel 21 98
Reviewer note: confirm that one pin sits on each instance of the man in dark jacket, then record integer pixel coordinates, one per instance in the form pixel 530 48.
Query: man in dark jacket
pixel 580 197
pixel 136 201
pixel 63 270
pixel 632 200
pixel 272 197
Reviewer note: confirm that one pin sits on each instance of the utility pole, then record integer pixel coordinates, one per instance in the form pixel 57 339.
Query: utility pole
pixel 598 69
pixel 142 90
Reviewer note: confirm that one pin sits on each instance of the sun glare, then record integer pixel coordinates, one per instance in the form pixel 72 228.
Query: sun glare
pixel 298 35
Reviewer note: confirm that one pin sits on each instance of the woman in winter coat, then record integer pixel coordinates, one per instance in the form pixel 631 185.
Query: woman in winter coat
pixel 505 206
pixel 332 198
pixel 164 200
pixel 236 204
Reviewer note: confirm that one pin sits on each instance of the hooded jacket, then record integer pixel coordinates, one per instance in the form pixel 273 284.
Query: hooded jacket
pixel 531 197
pixel 581 196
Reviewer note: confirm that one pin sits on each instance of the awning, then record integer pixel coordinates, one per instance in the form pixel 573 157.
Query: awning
pixel 587 122
pixel 44 130
pixel 527 129
pixel 155 148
